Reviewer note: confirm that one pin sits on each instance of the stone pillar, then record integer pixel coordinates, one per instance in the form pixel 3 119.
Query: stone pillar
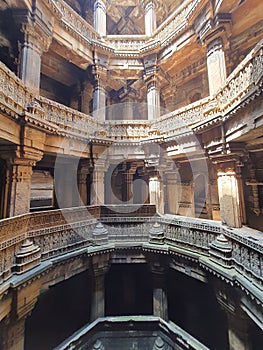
pixel 173 192
pixel 100 265
pixel 35 43
pixel 150 18
pixel 86 97
pixel 13 334
pixel 97 193
pixel 100 17
pixel 229 197
pixel 19 172
pixel 99 101
pixel 156 193
pixel 160 303
pixel 216 66
pixel 153 99
pixel 127 193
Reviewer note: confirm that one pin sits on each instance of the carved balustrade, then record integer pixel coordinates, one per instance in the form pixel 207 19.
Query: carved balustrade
pixel 68 120
pixel 176 22
pixel 73 22
pixel 243 83
pixel 62 231
pixel 133 130
pixel 13 94
pixel 126 42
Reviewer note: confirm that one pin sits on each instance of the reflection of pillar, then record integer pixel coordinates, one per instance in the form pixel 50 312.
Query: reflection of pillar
pixel 160 303
pixel 216 66
pixel 99 100
pixel 150 18
pixel 100 267
pixel 100 17
pixel 229 197
pixel 153 100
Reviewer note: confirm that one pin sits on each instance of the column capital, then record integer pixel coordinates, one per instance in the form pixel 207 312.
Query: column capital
pixel 99 74
pixel 218 27
pixel 21 155
pixel 35 38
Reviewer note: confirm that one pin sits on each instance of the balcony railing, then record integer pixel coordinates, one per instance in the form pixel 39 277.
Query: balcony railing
pixel 68 230
pixel 244 82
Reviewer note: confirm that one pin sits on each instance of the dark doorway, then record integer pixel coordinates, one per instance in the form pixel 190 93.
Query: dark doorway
pixel 128 290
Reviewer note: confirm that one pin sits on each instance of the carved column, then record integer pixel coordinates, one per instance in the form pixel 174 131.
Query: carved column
pixel 97 193
pixel 127 176
pixel 153 99
pixel 86 97
pixel 216 66
pixel 100 17
pixel 99 92
pixel 229 196
pixel 150 18
pixel 35 43
pixel 100 265
pixel 160 303
pixel 156 193
pixel 153 91
pixel 173 192
pixel 19 172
